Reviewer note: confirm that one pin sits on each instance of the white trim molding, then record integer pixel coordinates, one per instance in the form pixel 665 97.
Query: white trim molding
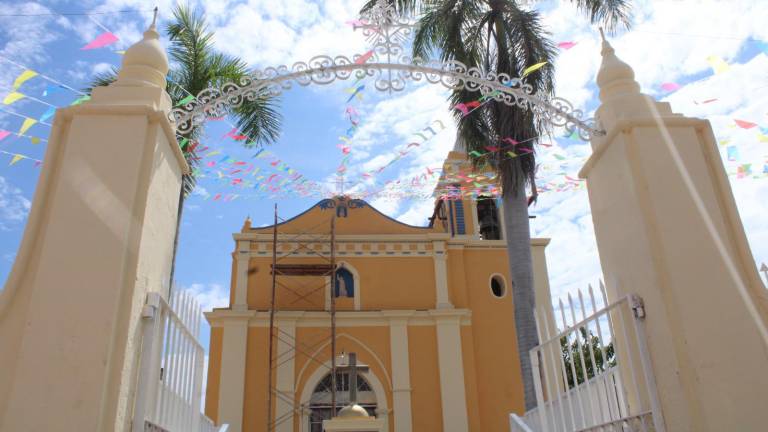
pixel 443 300
pixel 241 281
pixel 401 374
pixel 232 385
pixel 358 292
pixel 452 390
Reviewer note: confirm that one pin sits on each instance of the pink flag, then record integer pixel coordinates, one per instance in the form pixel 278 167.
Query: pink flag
pixel 364 58
pixel 101 40
pixel 566 45
pixel 4 134
pixel 511 141
pixel 463 108
pixel 745 124
pixel 670 86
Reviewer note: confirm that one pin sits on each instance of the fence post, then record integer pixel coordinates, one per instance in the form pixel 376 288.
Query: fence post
pixel 536 370
pixel 198 390
pixel 149 371
pixel 638 312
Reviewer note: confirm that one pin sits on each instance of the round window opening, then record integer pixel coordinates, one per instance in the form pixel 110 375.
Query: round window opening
pixel 497 286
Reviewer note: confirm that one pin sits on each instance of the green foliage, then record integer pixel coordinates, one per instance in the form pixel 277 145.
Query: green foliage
pixel 195 66
pixel 578 348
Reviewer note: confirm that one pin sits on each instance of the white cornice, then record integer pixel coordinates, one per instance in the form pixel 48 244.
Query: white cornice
pixel 220 317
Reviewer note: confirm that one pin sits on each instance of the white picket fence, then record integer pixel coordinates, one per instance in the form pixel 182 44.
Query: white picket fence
pixel 619 394
pixel 169 393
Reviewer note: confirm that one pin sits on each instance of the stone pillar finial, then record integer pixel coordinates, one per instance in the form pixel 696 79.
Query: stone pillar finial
pixel 145 63
pixel 615 77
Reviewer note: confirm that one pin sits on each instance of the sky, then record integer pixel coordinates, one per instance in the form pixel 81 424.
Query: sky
pixel 708 59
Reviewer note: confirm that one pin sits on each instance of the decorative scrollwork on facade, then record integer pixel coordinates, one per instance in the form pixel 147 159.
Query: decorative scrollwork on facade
pixel 390 68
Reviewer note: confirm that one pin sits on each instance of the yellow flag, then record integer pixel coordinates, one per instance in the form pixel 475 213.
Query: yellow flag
pixel 13 97
pixel 762 138
pixel 121 52
pixel 36 140
pixel 27 74
pixel 28 123
pixel 718 65
pixel 16 158
pixel 533 68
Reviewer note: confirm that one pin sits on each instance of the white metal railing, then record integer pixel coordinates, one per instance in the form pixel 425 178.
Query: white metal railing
pixel 169 392
pixel 595 375
pixel 516 424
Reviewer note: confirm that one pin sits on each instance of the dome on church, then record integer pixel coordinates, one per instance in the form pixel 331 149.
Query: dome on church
pixel 352 412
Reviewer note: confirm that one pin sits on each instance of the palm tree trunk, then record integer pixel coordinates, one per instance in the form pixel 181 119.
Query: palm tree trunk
pixel 518 238
pixel 179 212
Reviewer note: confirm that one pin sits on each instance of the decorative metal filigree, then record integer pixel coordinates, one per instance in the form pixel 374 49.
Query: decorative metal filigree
pixel 390 67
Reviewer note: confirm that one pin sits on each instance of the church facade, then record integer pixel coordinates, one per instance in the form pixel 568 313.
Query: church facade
pixel 427 310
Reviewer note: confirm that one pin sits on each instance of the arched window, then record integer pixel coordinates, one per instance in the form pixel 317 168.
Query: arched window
pixel 488 218
pixel 320 402
pixel 345 283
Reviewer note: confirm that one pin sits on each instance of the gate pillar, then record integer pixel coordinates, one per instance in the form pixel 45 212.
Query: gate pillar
pixel 668 229
pixel 99 238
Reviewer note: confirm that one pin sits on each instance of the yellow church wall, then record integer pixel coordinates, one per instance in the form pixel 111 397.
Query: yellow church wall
pixel 255 396
pixel 457 286
pixel 214 374
pixel 426 405
pixel 385 283
pixel 499 389
pixel 396 283
pixel 364 220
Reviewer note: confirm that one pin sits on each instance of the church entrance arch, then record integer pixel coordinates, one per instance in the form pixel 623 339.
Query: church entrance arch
pixel 371 395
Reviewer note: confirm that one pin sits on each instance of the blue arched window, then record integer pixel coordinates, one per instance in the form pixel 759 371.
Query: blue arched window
pixel 345 283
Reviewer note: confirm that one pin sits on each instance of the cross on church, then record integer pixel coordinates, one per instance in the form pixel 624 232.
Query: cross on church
pixel 353 368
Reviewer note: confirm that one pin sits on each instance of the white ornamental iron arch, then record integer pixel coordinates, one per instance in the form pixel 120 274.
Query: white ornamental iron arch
pixel 390 67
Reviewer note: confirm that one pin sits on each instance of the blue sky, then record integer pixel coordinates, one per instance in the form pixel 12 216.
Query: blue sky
pixel 670 43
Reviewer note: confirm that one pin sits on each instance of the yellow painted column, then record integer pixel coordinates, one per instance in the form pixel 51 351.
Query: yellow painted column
pixel 668 230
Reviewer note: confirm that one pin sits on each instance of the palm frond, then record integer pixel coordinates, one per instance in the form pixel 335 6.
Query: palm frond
pixel 101 79
pixel 403 7
pixel 611 14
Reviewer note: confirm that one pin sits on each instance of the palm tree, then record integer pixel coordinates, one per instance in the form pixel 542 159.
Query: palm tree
pixel 195 66
pixel 501 36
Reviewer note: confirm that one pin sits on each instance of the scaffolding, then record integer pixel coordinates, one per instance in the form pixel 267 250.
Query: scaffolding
pixel 318 245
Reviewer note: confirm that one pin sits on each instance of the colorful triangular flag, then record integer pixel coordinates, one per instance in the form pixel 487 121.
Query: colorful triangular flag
pixel 28 123
pixel 24 76
pixel 13 97
pixel 101 40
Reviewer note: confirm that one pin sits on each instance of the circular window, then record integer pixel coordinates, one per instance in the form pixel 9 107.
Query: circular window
pixel 497 286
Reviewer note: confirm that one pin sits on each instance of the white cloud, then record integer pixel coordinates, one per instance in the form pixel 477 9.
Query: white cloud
pixel 14 207
pixel 209 296
pixel 268 33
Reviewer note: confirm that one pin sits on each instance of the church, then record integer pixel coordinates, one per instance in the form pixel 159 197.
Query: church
pixel 426 311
